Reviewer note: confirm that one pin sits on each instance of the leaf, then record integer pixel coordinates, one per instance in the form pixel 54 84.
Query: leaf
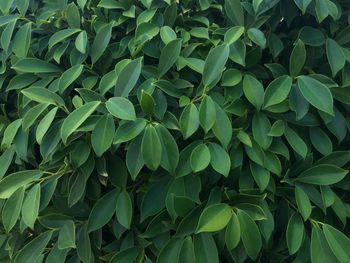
pixel 102 211
pixel 297 58
pixel 124 209
pixel 12 209
pixel 121 108
pixel 302 4
pixel 214 63
pixel 30 208
pixel 214 218
pixel 102 135
pixel 277 91
pixel 31 115
pixel 338 242
pixel 32 250
pixel 222 128
pixel 200 158
pixel 320 250
pixel 170 253
pixel 81 42
pixel 322 174
pixel 10 133
pixel 189 120
pixel 250 234
pixel 76 118
pixel 6 160
pixel 62 35
pixel 253 91
pixel 14 181
pixel 170 151
pixel 205 248
pixel 45 124
pixel 233 34
pixel 101 40
pixel 257 37
pixel 127 78
pixel 69 76
pixel 219 159
pixel 42 95
pixel 34 65
pixel 335 56
pixel 261 127
pixel 296 142
pixel 168 56
pixel 21 41
pixel 316 93
pixel 294 233
pixel 207 113
pixel 151 148
pixel 129 130
pixel 233 232
pixel 234 11
pixel 303 202
pixel 126 255
pixel 66 236
pixel 147 103
pixel 320 141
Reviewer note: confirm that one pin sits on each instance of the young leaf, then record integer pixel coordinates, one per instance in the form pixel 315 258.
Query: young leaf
pixel 200 158
pixel 214 218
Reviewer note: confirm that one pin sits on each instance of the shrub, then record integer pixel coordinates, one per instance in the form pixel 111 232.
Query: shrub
pixel 174 131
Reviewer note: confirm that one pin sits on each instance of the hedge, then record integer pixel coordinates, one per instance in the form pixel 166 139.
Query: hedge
pixel 174 131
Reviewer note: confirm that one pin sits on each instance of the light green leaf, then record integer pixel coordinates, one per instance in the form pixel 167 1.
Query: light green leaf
pixel 219 159
pixel 45 124
pixel 296 142
pixel 66 236
pixel 6 160
pixel 189 120
pixel 322 174
pixel 214 63
pixel 101 41
pixel 62 35
pixel 42 95
pixel 233 34
pixel 335 55
pixel 34 65
pixel 253 91
pixel 121 108
pixel 12 209
pixel 10 133
pixel 257 37
pixel 81 42
pixel 21 41
pixel 102 135
pixel 277 91
pixel 30 208
pixel 170 53
pixel 214 218
pixel 200 158
pixel 76 118
pixel 129 130
pixel 233 232
pixel 69 76
pixel 207 113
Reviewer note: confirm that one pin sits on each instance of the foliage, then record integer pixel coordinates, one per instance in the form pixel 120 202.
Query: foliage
pixel 174 131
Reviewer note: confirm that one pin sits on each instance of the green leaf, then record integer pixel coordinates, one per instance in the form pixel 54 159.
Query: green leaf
pixel 214 218
pixel 253 91
pixel 322 174
pixel 124 209
pixel 62 35
pixel 168 56
pixel 207 113
pixel 12 209
pixel 302 4
pixel 294 233
pixel 129 130
pixel 222 128
pixel 31 115
pixel 296 142
pixel 303 202
pixel 151 148
pixel 234 11
pixel 69 76
pixel 42 95
pixel 101 41
pixel 76 118
pixel 200 158
pixel 45 124
pixel 219 159
pixel 147 103
pixel 250 234
pixel 102 134
pixel 170 253
pixel 167 34
pixel 320 140
pixel 231 77
pixel 233 34
pixel 170 151
pixel 277 91
pixel 30 208
pixel 257 37
pixel 261 127
pixel 34 65
pixel 21 41
pixel 233 232
pixel 121 108
pixel 187 251
pixel 316 93
pixel 127 78
pixel 66 236
pixel 102 211
pixel 189 120
pixel 81 42
pixel 335 56
pixel 126 255
pixel 205 248
pixel 10 133
pixel 14 181
pixel 338 242
pixel 214 64
pixel 33 250
pixel 6 160
pixel 297 58
pixel 320 250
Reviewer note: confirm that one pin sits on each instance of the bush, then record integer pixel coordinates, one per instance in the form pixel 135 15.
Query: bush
pixel 174 131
